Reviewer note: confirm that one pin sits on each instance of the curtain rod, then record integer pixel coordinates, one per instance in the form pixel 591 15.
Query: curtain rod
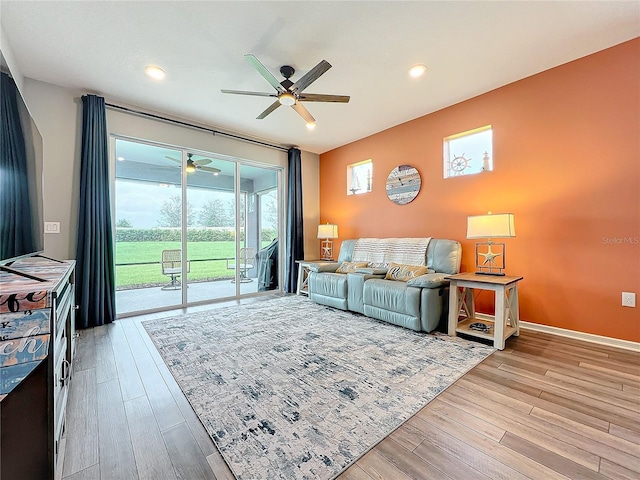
pixel 197 127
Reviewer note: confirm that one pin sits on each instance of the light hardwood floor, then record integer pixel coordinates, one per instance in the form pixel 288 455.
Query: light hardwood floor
pixel 546 407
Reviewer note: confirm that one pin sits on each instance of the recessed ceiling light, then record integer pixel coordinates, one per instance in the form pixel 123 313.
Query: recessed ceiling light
pixel 155 72
pixel 311 125
pixel 417 70
pixel 121 159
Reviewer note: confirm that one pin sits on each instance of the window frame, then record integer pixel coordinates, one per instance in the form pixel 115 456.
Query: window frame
pixel 365 184
pixel 486 161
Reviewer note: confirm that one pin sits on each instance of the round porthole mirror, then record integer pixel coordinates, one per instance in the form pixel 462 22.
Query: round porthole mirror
pixel 403 184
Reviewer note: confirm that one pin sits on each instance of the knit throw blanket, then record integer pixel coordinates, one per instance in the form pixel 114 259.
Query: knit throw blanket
pixel 379 252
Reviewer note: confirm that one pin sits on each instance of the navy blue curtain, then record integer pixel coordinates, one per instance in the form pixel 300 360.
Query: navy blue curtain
pixel 16 229
pixel 295 238
pixel 95 278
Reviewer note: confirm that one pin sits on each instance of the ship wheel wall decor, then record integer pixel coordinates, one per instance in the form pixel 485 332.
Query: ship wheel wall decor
pixel 457 165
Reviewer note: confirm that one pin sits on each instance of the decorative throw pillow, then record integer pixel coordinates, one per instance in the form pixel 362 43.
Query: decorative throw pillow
pixel 404 273
pixel 378 265
pixel 350 267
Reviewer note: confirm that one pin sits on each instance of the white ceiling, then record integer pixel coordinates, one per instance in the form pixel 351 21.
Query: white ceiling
pixel 468 47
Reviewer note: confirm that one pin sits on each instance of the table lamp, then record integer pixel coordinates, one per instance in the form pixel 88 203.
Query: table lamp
pixel 491 261
pixel 327 231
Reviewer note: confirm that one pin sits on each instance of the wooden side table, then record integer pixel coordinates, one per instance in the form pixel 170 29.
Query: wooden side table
pixel 303 276
pixel 462 306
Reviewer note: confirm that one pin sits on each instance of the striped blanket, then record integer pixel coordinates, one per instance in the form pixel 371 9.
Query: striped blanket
pixel 379 252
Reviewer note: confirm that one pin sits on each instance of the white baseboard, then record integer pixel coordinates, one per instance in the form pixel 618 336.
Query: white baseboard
pixel 587 337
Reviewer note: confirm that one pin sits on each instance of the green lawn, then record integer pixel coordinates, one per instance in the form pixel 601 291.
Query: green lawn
pixel 207 262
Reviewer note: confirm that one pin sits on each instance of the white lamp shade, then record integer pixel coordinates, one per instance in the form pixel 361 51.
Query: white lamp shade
pixel 501 225
pixel 327 230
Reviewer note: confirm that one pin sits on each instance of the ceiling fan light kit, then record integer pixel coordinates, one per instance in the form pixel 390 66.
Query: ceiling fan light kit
pixel 287 99
pixel 289 93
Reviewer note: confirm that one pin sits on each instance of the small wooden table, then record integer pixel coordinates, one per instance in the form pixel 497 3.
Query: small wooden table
pixel 303 275
pixel 462 306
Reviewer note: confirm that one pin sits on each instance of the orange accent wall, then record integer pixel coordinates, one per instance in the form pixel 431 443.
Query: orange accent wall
pixel 566 147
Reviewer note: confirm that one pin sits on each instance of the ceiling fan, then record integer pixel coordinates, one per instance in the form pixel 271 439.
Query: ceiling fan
pixel 193 165
pixel 289 93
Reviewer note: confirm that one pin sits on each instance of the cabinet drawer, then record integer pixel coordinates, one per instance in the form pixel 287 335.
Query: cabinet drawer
pixel 10 376
pixel 24 324
pixel 60 340
pixel 64 292
pixel 60 389
pixel 62 310
pixel 23 350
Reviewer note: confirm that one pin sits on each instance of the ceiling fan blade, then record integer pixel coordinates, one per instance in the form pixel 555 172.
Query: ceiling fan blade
pixel 271 108
pixel 310 77
pixel 173 159
pixel 257 94
pixel 210 169
pixel 319 97
pixel 303 112
pixel 262 70
pixel 202 161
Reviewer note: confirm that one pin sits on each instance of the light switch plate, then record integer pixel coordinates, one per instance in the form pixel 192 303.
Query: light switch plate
pixel 51 227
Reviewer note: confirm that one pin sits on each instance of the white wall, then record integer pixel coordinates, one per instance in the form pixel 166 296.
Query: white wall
pixel 57 112
pixel 7 53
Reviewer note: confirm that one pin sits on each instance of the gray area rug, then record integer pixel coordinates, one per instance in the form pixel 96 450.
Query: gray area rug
pixel 290 389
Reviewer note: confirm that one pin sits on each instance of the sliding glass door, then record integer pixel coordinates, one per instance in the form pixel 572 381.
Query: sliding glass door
pixel 211 236
pixel 184 214
pixel 148 219
pixel 258 228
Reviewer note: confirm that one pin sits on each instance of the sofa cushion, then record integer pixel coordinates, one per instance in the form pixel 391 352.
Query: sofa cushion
pixel 350 267
pixel 393 296
pixel 404 273
pixel 346 251
pixel 444 256
pixel 328 284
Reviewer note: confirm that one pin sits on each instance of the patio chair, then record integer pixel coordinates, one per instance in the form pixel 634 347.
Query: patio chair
pixel 172 267
pixel 246 261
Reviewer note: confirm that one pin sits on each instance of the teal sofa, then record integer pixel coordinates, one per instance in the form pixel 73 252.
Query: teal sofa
pixel 419 304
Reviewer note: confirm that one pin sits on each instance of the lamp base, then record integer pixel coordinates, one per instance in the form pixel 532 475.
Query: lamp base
pixel 327 250
pixel 491 262
pixel 497 274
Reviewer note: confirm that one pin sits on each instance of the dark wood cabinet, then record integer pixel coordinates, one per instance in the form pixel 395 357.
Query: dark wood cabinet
pixel 37 341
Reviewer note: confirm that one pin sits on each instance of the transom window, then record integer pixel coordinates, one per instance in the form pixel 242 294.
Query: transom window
pixel 359 177
pixel 468 152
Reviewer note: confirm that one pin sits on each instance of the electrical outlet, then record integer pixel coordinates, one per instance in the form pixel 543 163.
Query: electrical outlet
pixel 628 299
